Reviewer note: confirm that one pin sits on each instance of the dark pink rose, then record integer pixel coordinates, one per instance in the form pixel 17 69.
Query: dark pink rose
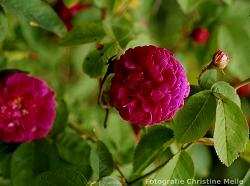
pixel 149 85
pixel 27 108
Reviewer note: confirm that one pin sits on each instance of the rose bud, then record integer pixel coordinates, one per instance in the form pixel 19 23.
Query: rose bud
pixel 149 85
pixel 27 108
pixel 200 35
pixel 244 91
pixel 220 59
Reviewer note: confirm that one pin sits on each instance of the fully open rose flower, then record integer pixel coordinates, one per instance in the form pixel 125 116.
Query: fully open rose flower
pixel 149 85
pixel 27 108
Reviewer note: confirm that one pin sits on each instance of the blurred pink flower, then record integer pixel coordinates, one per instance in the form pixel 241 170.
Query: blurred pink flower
pixel 200 35
pixel 149 85
pixel 27 108
pixel 67 13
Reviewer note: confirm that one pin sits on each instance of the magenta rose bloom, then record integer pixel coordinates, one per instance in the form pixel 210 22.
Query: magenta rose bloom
pixel 149 85
pixel 27 108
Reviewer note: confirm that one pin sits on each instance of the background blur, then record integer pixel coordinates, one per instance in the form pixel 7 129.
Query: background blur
pixel 74 71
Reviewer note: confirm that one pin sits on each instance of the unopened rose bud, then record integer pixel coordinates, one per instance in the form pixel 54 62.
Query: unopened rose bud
pixel 220 59
pixel 244 91
pixel 200 35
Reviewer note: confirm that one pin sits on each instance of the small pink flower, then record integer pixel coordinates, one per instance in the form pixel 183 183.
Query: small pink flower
pixel 27 108
pixel 149 85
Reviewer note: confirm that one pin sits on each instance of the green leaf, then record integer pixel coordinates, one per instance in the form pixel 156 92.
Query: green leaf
pixel 31 159
pixel 6 151
pixel 234 40
pixel 103 163
pixel 180 167
pixel 123 34
pixel 236 15
pixel 246 154
pixel 85 33
pixel 231 131
pixel 61 118
pixel 246 180
pixel 93 64
pixel 224 90
pixel 209 78
pixel 109 181
pixel 150 146
pixel 202 160
pixel 188 6
pixel 36 11
pixel 73 149
pixel 110 50
pixel 119 138
pixel 197 115
pixel 95 61
pixel 66 176
pixel 228 2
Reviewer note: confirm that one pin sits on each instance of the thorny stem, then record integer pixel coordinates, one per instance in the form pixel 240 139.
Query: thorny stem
pixel 101 99
pixel 103 80
pixel 241 84
pixel 101 90
pixel 85 134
